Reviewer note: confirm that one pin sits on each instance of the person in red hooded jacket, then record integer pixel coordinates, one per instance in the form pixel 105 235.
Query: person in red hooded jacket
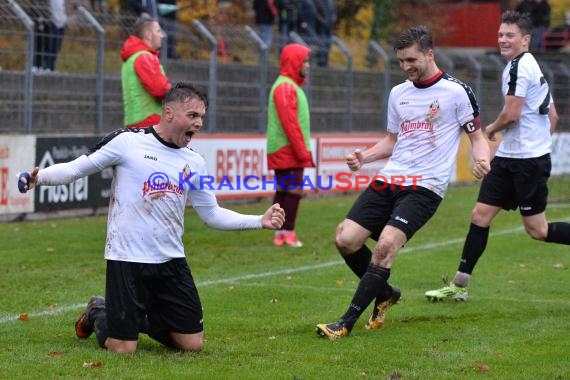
pixel 143 80
pixel 289 137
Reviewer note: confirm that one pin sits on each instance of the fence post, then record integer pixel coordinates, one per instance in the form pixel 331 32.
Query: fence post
pixel 564 70
pixel 349 82
pixel 498 61
pixel 99 76
pixel 378 50
pixel 478 74
pixel 212 89
pixel 28 77
pixel 499 64
pixel 443 57
pixel 262 77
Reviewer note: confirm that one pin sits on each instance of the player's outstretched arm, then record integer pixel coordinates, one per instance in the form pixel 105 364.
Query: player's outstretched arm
pixel 224 219
pixel 27 180
pixel 273 218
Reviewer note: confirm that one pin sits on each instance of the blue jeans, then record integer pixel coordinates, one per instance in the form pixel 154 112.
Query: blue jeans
pixel 266 32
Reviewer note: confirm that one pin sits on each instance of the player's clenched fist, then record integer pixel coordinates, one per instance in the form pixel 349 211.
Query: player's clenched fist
pixel 354 160
pixel 481 168
pixel 274 217
pixel 27 181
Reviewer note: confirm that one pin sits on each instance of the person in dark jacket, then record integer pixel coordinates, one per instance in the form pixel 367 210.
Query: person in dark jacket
pixel 265 15
pixel 326 18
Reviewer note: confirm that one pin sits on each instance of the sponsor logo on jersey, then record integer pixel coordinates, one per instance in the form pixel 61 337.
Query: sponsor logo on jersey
pixel 410 126
pixel 433 111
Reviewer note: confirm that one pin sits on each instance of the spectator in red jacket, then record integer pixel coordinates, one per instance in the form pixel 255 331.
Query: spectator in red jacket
pixel 289 137
pixel 143 79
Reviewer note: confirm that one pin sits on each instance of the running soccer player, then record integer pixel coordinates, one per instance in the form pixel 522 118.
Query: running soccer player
pixel 521 166
pixel 426 115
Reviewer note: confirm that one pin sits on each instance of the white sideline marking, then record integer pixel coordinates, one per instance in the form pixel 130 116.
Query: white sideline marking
pixel 55 310
pixel 63 309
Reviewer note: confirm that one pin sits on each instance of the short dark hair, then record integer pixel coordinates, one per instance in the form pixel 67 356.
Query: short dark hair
pixel 415 35
pixel 183 91
pixel 142 24
pixel 522 20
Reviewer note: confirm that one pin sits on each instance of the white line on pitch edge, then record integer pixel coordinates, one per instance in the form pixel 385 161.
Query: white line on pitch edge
pixel 62 309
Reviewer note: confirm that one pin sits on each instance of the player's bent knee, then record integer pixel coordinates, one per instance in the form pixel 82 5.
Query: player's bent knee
pixel 477 217
pixel 189 342
pixel 344 245
pixel 386 245
pixel 121 346
pixel 536 233
pixel 349 240
pixel 193 347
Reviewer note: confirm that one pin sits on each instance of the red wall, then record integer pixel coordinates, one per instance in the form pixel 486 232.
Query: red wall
pixel 469 25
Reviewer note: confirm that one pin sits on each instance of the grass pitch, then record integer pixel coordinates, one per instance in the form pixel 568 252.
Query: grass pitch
pixel 261 303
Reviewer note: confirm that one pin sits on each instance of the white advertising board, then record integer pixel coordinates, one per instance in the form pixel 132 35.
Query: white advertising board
pixel 332 170
pixel 560 153
pixel 237 165
pixel 17 153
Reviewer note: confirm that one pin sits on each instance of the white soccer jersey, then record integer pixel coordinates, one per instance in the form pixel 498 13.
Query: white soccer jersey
pixel 152 181
pixel 530 136
pixel 428 120
pixel 148 194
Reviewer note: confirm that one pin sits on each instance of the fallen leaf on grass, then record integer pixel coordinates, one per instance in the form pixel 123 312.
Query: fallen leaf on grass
pixel 339 283
pixel 96 364
pixel 482 367
pixel 23 317
pixel 56 353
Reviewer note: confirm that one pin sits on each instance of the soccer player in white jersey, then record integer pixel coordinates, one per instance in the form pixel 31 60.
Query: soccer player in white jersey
pixel 426 115
pixel 521 166
pixel 149 286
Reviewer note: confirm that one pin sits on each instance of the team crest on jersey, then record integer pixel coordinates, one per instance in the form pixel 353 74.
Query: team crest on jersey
pixel 433 111
pixel 186 172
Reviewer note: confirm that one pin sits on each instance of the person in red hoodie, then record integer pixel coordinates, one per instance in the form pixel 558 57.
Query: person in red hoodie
pixel 143 80
pixel 289 137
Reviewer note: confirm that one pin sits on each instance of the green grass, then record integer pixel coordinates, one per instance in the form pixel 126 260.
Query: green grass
pixel 261 303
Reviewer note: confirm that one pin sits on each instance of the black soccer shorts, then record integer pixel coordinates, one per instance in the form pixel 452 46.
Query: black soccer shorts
pixel 407 209
pixel 517 182
pixel 165 293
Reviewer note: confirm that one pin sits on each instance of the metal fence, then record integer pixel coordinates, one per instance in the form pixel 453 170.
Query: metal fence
pixel 83 94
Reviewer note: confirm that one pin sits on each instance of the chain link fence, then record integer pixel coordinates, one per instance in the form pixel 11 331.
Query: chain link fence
pixel 83 94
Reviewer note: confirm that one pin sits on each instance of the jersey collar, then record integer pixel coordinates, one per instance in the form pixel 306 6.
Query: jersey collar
pixel 430 81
